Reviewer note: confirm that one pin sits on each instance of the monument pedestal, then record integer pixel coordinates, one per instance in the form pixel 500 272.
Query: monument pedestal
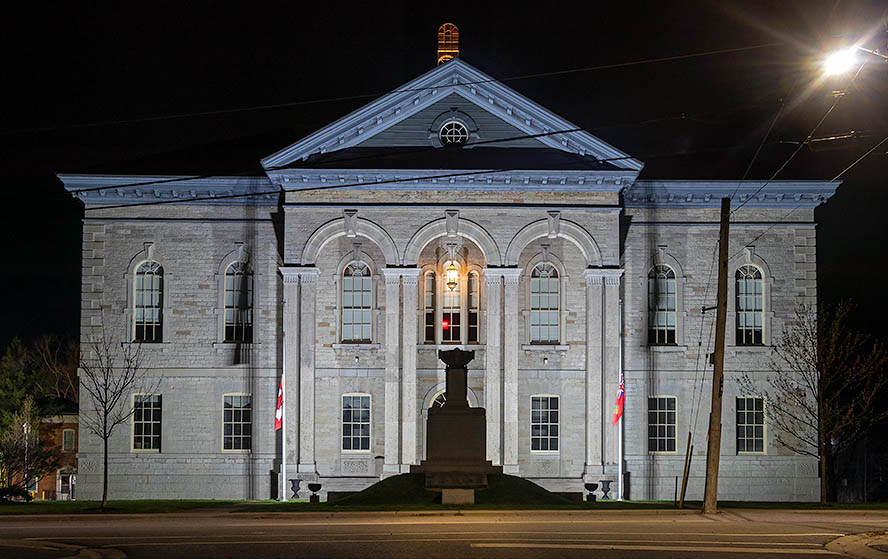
pixel 456 447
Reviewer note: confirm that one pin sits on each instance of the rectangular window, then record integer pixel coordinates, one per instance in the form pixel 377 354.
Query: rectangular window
pixel 237 422
pixel 450 318
pixel 146 421
pixel 429 307
pixel 661 424
pixel 474 305
pixel 544 423
pixel 356 422
pixel 68 440
pixel 750 425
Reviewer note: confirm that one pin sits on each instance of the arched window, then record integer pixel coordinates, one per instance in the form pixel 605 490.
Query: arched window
pixel 239 303
pixel 356 303
pixel 429 306
pixel 148 303
pixel 451 317
pixel 474 305
pixel 661 305
pixel 544 304
pixel 750 309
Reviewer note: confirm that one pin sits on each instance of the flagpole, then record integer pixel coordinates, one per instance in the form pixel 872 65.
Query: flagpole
pixel 284 421
pixel 620 425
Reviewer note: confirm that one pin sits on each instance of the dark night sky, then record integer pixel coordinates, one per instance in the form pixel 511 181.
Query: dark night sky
pixel 67 66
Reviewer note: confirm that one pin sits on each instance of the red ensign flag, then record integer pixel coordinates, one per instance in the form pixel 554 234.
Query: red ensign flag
pixel 279 413
pixel 621 399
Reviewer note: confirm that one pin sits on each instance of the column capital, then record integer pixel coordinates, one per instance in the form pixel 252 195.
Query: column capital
pixel 607 276
pixel 493 276
pixel 410 275
pixel 511 275
pixel 291 274
pixel 391 275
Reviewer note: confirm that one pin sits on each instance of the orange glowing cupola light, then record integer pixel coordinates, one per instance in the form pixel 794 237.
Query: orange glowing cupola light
pixel 448 42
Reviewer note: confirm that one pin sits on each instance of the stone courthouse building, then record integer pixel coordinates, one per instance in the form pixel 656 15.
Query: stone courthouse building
pixel 451 212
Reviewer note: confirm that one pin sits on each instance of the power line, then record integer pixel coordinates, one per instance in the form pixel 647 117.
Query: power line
pixel 377 94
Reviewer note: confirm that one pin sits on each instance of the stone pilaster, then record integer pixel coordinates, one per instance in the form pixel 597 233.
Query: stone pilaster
pixel 392 453
pixel 291 370
pixel 611 351
pixel 594 379
pixel 511 348
pixel 493 371
pixel 409 417
pixel 308 286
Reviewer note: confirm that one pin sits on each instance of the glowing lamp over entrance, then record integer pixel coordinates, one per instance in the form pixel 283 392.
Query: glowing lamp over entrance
pixel 451 275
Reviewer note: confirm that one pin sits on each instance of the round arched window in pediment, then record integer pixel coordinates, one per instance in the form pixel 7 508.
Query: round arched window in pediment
pixel 453 133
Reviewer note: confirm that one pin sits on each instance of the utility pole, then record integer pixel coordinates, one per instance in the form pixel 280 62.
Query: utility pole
pixel 710 495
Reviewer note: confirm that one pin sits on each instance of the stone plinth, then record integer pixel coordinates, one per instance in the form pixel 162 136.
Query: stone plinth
pixel 456 449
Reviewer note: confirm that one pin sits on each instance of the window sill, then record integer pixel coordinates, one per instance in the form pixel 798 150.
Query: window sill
pixel 356 346
pixel 663 452
pixel 667 348
pixel 355 452
pixel 464 347
pixel 545 453
pixel 145 451
pixel 235 451
pixel 149 346
pixel 234 345
pixel 545 347
pixel 749 348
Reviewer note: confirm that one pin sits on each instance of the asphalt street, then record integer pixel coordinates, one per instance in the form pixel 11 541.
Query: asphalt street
pixel 513 534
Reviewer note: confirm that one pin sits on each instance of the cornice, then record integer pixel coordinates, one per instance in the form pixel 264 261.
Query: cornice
pixel 708 194
pixel 476 87
pixel 452 179
pixel 139 189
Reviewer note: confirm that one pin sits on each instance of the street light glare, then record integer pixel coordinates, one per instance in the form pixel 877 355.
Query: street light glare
pixel 840 61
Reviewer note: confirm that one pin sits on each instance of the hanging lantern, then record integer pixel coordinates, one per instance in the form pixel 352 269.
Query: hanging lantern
pixel 452 276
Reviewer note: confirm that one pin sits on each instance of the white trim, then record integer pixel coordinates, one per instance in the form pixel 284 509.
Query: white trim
pixel 764 450
pixel 566 230
pixel 222 426
pixel 132 438
pixel 530 431
pixel 563 283
pixel 648 424
pixel 465 228
pixel 353 452
pixel 336 228
pixel 749 257
pixel 663 258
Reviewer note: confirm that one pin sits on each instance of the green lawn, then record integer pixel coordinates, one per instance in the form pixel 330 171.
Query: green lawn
pixel 116 507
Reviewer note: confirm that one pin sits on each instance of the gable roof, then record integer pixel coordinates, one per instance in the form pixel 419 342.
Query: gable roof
pixel 454 77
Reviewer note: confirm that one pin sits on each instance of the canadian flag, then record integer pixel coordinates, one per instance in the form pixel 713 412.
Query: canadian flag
pixel 279 413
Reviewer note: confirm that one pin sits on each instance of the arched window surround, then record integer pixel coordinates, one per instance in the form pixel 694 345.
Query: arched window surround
pixel 239 254
pixel 563 284
pixel 464 270
pixel 370 262
pixel 748 257
pixel 149 253
pixel 663 258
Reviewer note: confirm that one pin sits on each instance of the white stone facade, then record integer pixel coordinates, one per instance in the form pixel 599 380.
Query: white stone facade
pixel 303 223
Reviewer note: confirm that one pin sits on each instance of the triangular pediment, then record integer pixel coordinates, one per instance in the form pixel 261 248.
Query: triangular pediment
pixel 403 117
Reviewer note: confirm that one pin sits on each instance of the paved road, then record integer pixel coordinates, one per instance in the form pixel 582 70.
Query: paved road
pixel 736 534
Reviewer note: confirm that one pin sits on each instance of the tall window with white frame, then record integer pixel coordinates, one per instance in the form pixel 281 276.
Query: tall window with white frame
pixel 661 306
pixel 544 414
pixel 544 304
pixel 451 317
pixel 357 301
pixel 429 297
pixel 661 424
pixel 148 303
pixel 146 421
pixel 474 305
pixel 750 425
pixel 68 440
pixel 356 422
pixel 237 422
pixel 750 310
pixel 239 303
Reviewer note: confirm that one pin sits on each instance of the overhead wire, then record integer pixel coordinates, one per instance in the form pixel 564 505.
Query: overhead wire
pixel 377 94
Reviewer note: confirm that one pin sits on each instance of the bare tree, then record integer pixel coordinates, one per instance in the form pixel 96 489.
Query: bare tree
pixel 60 358
pixel 22 456
pixel 822 395
pixel 109 373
